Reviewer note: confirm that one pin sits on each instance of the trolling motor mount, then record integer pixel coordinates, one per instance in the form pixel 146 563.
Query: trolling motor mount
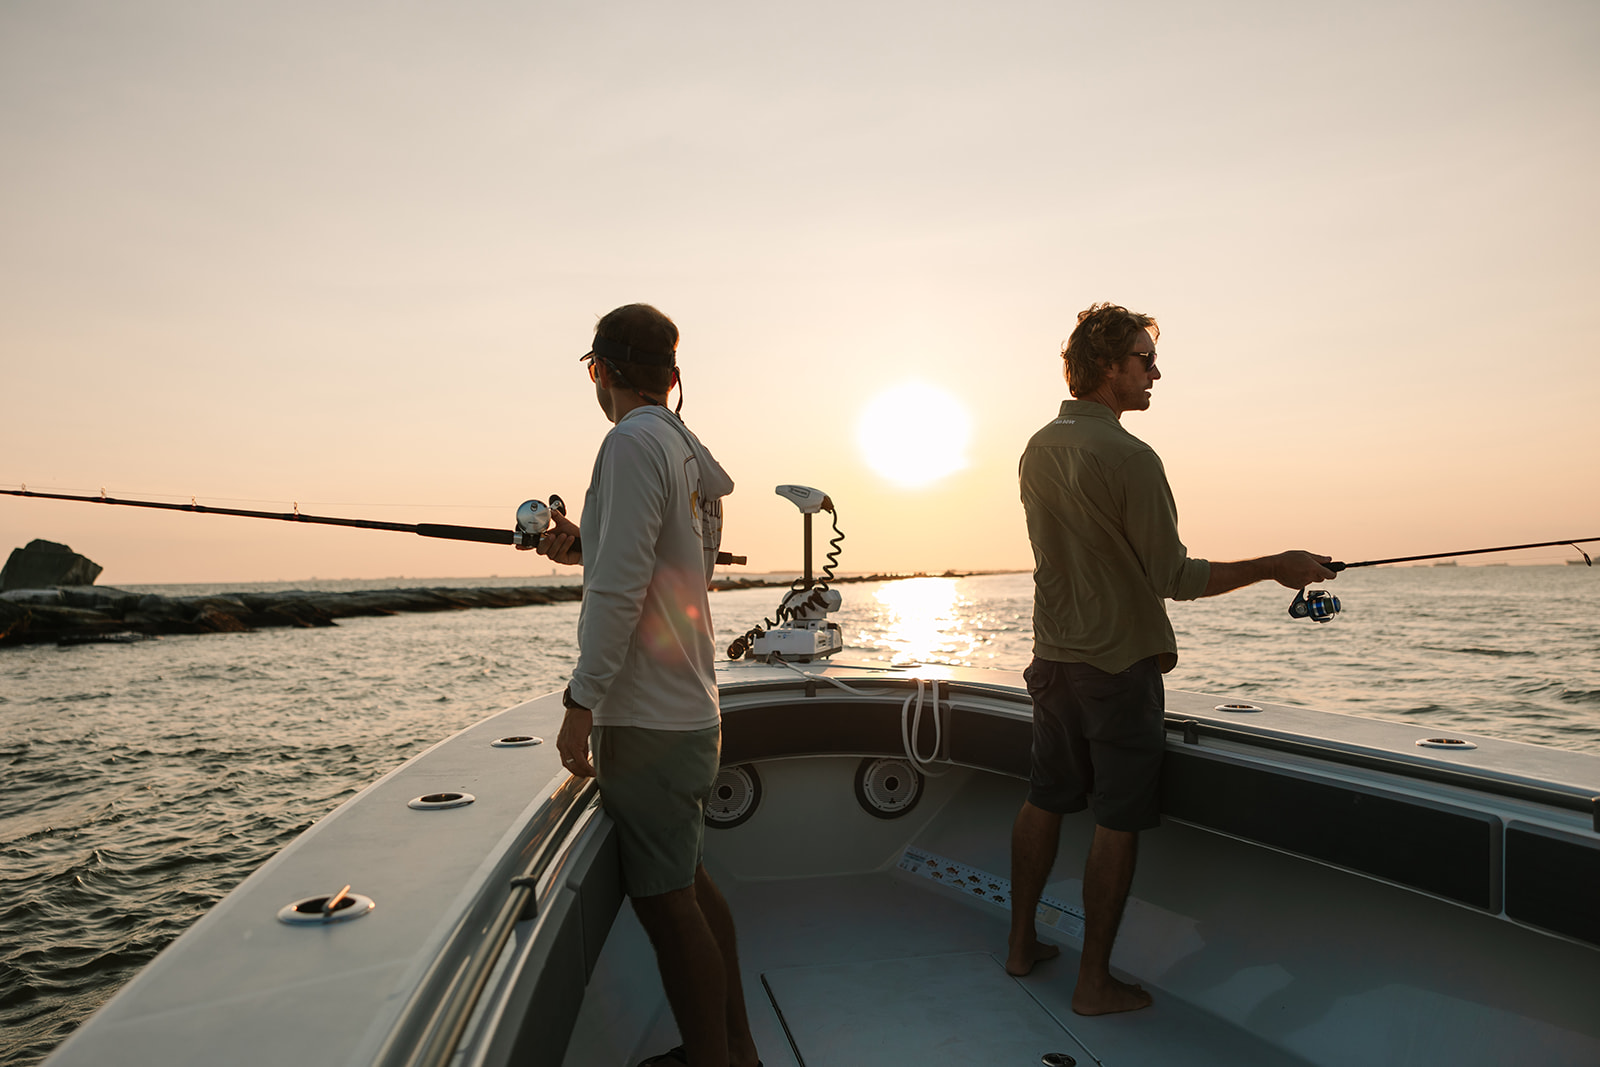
pixel 804 634
pixel 1318 605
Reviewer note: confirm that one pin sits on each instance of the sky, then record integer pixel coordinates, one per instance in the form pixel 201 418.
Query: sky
pixel 345 256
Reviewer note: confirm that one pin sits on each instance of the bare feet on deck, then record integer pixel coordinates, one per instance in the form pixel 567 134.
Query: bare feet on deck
pixel 1021 960
pixel 1106 996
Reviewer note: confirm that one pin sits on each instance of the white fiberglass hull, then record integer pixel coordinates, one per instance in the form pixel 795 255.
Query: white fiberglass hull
pixel 1322 890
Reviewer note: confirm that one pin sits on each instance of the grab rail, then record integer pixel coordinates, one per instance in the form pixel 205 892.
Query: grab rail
pixel 433 1021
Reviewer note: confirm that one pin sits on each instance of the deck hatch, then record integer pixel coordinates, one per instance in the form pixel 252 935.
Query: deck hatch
pixel 957 1008
pixel 1450 852
pixel 1553 882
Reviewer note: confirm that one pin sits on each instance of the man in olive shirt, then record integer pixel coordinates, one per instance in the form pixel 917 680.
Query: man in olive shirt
pixel 1107 556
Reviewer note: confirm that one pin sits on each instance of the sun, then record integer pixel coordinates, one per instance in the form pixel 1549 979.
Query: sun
pixel 914 434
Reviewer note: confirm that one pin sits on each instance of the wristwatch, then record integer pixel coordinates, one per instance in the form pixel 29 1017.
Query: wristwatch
pixel 568 703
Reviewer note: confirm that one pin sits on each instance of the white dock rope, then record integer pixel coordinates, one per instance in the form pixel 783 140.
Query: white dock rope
pixel 910 722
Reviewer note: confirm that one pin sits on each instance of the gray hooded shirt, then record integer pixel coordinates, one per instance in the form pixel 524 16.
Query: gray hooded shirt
pixel 652 526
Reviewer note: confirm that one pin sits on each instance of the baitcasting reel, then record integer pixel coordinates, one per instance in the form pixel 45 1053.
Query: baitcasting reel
pixel 533 519
pixel 1318 605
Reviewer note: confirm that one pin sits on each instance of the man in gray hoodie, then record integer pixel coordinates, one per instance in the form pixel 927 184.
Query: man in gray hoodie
pixel 644 691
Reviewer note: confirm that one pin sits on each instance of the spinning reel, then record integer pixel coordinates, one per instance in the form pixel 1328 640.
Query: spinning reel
pixel 1318 605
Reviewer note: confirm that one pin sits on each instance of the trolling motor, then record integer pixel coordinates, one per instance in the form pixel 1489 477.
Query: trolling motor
pixel 802 632
pixel 1318 605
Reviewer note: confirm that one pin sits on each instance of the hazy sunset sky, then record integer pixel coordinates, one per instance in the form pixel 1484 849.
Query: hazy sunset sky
pixel 347 255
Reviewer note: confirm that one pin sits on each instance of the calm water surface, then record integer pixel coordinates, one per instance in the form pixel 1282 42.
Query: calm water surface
pixel 144 781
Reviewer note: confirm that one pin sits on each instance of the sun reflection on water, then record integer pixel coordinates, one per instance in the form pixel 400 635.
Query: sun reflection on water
pixel 920 620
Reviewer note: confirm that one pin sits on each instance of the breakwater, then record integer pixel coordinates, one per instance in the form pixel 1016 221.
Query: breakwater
pixel 90 613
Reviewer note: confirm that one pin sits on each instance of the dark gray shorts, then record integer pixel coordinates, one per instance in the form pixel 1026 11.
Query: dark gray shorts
pixel 654 785
pixel 1097 741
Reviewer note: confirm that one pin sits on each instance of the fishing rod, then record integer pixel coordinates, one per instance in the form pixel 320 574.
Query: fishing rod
pixel 1574 542
pixel 1319 605
pixel 532 520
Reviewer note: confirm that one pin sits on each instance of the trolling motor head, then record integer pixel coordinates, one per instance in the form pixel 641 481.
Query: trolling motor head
pixel 808 500
pixel 1318 605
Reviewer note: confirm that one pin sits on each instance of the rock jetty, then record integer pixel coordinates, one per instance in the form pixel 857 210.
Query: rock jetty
pixel 40 564
pixel 78 614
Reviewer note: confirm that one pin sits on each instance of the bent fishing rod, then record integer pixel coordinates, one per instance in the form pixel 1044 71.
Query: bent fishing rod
pixel 533 519
pixel 1319 605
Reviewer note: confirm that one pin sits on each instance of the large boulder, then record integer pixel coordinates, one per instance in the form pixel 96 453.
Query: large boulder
pixel 42 564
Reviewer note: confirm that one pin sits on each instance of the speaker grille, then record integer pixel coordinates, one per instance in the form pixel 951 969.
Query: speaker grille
pixel 887 788
pixel 734 796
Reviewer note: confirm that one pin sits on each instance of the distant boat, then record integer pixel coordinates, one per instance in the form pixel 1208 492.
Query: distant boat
pixel 1446 563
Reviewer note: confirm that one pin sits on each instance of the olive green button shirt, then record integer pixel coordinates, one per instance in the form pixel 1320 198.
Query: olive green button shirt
pixel 1106 553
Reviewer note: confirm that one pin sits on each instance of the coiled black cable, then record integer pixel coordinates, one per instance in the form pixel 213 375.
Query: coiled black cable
pixel 742 645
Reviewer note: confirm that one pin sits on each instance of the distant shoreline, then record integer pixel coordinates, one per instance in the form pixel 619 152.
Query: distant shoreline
pixel 102 614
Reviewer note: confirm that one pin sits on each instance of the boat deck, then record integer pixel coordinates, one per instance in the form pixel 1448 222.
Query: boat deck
pixel 918 975
pixel 892 959
pixel 880 941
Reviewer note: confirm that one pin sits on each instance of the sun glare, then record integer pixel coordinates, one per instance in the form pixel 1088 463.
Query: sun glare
pixel 914 434
pixel 922 622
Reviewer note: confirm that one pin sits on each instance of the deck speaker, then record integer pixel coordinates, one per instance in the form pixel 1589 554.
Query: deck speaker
pixel 734 796
pixel 887 788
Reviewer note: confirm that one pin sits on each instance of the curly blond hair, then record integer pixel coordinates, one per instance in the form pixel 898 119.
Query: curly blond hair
pixel 1104 336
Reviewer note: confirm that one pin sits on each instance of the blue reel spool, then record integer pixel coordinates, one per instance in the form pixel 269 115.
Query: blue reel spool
pixel 1318 605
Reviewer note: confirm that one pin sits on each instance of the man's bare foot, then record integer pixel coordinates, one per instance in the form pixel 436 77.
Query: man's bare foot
pixel 1021 960
pixel 1107 996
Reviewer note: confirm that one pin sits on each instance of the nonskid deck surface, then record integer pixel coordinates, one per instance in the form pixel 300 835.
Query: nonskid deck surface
pixel 887 968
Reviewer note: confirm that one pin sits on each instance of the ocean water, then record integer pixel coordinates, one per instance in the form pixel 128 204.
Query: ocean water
pixel 144 781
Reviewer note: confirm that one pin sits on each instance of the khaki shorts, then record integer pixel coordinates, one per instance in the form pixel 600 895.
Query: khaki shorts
pixel 654 785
